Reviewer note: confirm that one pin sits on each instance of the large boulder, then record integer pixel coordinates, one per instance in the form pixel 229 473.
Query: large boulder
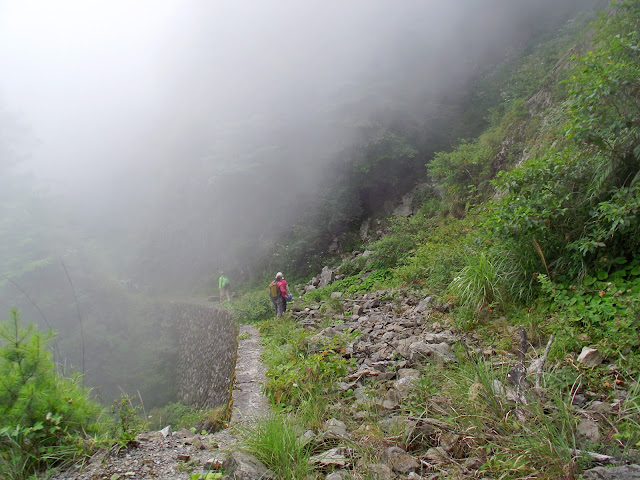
pixel 326 277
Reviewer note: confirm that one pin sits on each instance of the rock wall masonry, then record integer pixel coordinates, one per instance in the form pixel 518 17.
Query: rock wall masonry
pixel 207 354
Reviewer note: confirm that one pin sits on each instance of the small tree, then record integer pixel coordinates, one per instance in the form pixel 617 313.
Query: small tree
pixel 45 418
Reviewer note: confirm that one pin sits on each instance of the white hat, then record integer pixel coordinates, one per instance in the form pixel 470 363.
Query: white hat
pixel 279 274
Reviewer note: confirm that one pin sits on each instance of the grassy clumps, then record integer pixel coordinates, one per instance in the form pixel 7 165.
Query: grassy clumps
pixel 536 439
pixel 276 442
pixel 301 374
pixel 185 416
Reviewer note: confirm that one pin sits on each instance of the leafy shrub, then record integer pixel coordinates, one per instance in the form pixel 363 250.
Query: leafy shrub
pixel 438 255
pixel 353 267
pixel 378 279
pixel 603 107
pixel 46 419
pixel 578 199
pixel 391 249
pixel 605 307
pixel 613 224
pixel 253 307
pixel 463 173
pixel 283 340
pixel 129 422
pixel 299 375
pixel 305 379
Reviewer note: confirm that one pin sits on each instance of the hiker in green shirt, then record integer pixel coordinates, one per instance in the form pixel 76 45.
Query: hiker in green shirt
pixel 223 286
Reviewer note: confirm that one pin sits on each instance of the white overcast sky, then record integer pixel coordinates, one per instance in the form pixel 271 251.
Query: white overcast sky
pixel 103 83
pixel 74 71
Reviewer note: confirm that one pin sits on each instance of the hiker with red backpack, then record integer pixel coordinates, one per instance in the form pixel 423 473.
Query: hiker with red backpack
pixel 279 294
pixel 284 291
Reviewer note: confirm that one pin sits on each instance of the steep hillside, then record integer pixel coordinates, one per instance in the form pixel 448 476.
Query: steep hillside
pixel 493 333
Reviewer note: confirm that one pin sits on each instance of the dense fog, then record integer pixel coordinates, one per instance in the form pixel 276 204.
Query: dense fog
pixel 148 144
pixel 147 115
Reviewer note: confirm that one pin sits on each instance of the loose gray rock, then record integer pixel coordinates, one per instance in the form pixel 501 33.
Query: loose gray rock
pixel 423 305
pixel 184 434
pixel 589 429
pixel 308 436
pixel 446 337
pixel 600 407
pixel 501 390
pixel 333 476
pixel 452 444
pixel 333 457
pixel 372 304
pixel 405 386
pixel 473 463
pixel 391 400
pixel 410 373
pixel 626 472
pixel 379 471
pixel 214 463
pixel 361 395
pixel 440 352
pixel 397 425
pixel 590 357
pixel 242 466
pixel 336 428
pixel 437 456
pixel 400 461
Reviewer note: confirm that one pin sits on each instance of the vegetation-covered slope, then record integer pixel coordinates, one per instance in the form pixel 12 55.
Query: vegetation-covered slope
pixel 532 242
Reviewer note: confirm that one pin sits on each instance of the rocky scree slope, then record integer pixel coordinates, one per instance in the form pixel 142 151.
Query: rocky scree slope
pixel 396 334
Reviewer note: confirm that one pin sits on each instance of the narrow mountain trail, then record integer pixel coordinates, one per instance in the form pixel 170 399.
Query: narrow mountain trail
pixel 248 401
pixel 249 404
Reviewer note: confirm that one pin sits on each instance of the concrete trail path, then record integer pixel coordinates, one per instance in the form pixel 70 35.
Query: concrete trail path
pixel 249 403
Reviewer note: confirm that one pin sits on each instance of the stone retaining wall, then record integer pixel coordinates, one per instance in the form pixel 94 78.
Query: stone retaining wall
pixel 207 354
